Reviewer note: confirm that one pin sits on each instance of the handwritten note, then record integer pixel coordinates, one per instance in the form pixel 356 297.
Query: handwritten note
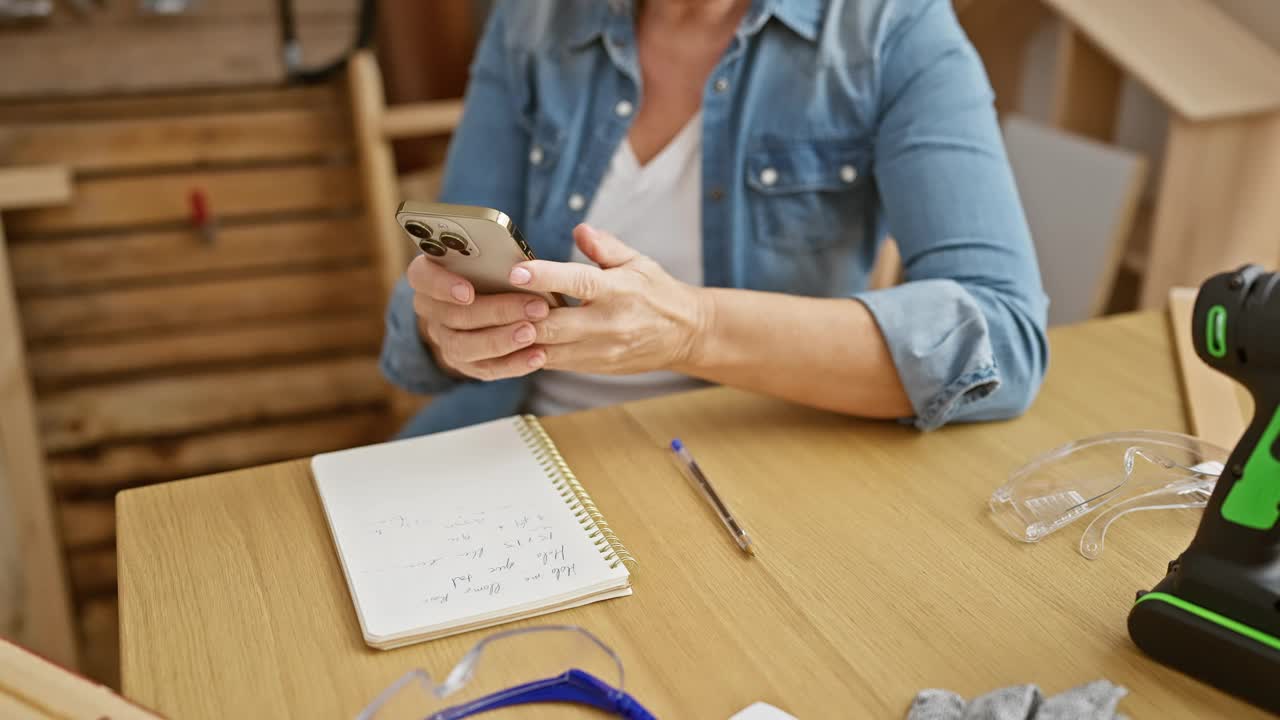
pixel 504 549
pixel 441 530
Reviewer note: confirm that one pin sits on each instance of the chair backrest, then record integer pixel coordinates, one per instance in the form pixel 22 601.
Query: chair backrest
pixel 376 126
pixel 1080 197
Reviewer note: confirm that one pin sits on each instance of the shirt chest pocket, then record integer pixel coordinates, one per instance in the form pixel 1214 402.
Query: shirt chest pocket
pixel 808 195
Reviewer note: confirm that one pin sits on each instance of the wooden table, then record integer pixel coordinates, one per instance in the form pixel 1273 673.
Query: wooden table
pixel 878 573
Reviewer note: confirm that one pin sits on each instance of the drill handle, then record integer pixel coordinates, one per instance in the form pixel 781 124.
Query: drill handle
pixel 1234 329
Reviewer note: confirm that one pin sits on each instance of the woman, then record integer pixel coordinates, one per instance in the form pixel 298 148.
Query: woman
pixel 712 179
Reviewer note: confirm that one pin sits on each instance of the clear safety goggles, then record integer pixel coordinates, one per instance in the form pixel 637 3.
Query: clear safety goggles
pixel 552 663
pixel 1118 473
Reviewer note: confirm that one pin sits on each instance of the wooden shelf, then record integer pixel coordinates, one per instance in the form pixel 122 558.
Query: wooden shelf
pixel 1195 58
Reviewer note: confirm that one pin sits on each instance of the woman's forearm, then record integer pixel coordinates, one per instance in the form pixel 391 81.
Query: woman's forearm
pixel 824 352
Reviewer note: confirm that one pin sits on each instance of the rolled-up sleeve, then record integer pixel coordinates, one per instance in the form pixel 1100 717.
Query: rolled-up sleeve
pixel 489 135
pixel 966 329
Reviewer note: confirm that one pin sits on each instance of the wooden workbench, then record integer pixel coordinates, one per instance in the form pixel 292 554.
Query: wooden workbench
pixel 878 573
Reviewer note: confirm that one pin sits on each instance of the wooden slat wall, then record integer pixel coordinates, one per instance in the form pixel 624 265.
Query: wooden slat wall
pixel 98 471
pixel 157 355
pixel 106 203
pixel 328 333
pixel 196 304
pixel 84 417
pixel 166 142
pixel 93 260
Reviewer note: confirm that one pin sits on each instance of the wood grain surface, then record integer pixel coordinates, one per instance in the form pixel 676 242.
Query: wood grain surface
pixel 878 573
pixel 182 404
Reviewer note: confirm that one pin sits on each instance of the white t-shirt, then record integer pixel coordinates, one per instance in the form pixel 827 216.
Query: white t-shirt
pixel 656 209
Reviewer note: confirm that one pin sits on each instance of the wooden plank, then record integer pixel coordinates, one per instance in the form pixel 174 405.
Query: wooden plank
pixel 275 135
pixel 1213 401
pixel 1000 31
pixel 201 304
pixel 13 707
pixel 377 166
pixel 184 404
pixel 322 97
pixel 1080 197
pixel 1216 205
pixel 84 361
pixel 87 524
pixel 143 57
pixel 57 692
pixel 45 602
pixel 1193 56
pixel 93 572
pixel 1086 88
pixel 414 120
pixel 117 259
pixel 157 199
pixel 33 187
pixel 129 464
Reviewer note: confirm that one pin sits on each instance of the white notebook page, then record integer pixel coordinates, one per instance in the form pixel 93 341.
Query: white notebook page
pixel 454 529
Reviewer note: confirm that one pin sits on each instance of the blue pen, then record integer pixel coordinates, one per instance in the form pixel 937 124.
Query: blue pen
pixel 700 479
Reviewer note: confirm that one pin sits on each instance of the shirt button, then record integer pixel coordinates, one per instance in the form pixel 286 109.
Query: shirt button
pixel 720 86
pixel 768 176
pixel 623 108
pixel 535 155
pixel 577 202
pixel 848 173
pixel 716 194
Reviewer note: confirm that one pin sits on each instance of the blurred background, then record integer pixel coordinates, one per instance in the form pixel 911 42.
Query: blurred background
pixel 196 234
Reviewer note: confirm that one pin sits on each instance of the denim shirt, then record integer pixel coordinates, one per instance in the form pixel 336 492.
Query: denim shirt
pixel 826 125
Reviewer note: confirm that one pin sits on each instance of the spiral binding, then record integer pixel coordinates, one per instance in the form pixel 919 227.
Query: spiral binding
pixel 584 510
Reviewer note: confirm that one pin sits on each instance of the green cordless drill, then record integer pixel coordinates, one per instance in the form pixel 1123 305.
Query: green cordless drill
pixel 1216 614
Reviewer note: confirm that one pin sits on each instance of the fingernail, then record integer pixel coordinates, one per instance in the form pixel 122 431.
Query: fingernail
pixel 460 292
pixel 520 276
pixel 536 310
pixel 525 334
pixel 537 359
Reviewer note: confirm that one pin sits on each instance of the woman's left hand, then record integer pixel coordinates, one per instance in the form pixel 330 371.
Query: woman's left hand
pixel 634 317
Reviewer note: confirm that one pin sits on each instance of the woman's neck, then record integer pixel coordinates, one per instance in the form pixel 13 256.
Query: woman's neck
pixel 701 13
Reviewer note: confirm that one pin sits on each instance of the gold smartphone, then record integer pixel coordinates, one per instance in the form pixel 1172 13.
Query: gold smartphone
pixel 478 243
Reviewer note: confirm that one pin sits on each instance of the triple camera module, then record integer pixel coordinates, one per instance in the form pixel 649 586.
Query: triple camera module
pixel 436 244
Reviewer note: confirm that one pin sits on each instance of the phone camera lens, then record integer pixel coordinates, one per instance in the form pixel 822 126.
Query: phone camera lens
pixel 417 229
pixel 454 242
pixel 432 248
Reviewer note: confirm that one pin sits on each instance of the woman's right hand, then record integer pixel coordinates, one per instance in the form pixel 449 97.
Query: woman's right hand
pixel 488 337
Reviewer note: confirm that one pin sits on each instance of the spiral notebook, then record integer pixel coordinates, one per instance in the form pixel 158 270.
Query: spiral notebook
pixel 466 529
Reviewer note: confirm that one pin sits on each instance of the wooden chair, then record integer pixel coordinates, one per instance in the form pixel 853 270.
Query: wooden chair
pixel 376 126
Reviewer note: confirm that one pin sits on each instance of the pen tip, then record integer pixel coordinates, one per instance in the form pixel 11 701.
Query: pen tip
pixel 677 445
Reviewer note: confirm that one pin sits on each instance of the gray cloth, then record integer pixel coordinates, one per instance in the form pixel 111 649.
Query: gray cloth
pixel 1094 701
